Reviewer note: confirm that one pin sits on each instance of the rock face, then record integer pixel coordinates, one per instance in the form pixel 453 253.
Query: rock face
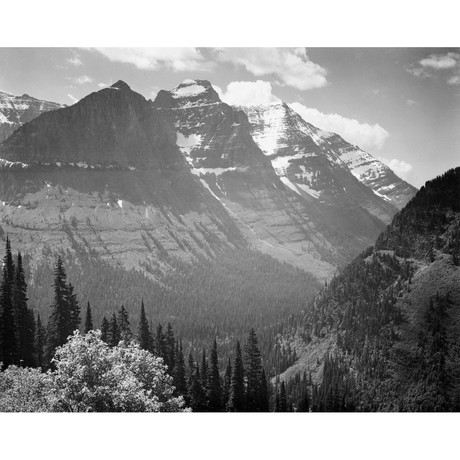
pixel 17 110
pixel 145 183
pixel 324 166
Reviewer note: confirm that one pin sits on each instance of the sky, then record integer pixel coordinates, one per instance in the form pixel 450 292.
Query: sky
pixel 402 105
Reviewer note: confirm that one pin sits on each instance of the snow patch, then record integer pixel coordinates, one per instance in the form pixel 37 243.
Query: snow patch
pixel 289 184
pixel 188 91
pixel 120 203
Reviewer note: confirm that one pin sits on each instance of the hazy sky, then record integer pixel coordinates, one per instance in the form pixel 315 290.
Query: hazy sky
pixel 402 105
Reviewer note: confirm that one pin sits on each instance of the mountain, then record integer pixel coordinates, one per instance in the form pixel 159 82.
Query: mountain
pixel 324 166
pixel 318 226
pixel 383 335
pixel 17 110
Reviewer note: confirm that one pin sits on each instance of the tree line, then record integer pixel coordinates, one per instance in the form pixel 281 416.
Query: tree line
pixel 26 342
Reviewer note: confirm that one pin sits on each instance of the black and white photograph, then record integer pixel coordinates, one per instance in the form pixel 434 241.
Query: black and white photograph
pixel 229 229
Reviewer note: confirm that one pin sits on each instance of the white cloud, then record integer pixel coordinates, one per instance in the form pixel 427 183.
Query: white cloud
pixel 247 93
pixel 367 137
pixel 411 102
pixel 290 66
pixel 176 59
pixel 103 85
pixel 440 61
pixel 454 79
pixel 400 167
pixel 73 98
pixel 82 80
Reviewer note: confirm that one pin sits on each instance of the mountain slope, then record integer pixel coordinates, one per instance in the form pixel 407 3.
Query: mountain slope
pixel 391 319
pixel 277 217
pixel 321 164
pixel 18 110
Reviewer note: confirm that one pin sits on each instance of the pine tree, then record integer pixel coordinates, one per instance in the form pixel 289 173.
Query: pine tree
pixel 215 388
pixel 263 402
pixel 227 383
pixel 9 335
pixel 143 331
pixel 88 320
pixel 124 326
pixel 283 401
pixel 170 342
pixel 114 336
pixel 160 343
pixel 65 312
pixel 236 401
pixel 74 308
pixel 40 341
pixel 197 394
pixel 24 318
pixel 253 368
pixel 105 330
pixel 179 377
pixel 204 370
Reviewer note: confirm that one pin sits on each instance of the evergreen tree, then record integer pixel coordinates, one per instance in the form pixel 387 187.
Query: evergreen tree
pixel 179 377
pixel 73 307
pixel 236 401
pixel 64 318
pixel 204 370
pixel 283 406
pixel 9 343
pixel 88 320
pixel 40 341
pixel 114 335
pixel 253 369
pixel 105 330
pixel 160 343
pixel 143 331
pixel 197 394
pixel 170 343
pixel 263 402
pixel 24 318
pixel 215 388
pixel 124 326
pixel 227 383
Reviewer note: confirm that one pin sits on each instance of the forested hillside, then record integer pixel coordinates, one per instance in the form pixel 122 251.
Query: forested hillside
pixel 383 335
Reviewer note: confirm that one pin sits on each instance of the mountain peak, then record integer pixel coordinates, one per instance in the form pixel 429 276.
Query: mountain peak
pixel 120 84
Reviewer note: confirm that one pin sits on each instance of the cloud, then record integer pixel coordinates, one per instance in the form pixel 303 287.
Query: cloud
pixel 103 85
pixel 73 98
pixel 429 66
pixel 367 137
pixel 176 59
pixel 454 79
pixel 82 80
pixel 75 61
pixel 290 66
pixel 400 167
pixel 440 61
pixel 411 102
pixel 247 93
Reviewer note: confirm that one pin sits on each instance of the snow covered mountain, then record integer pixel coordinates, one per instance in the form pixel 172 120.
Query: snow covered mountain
pixel 144 184
pixel 316 162
pixel 17 110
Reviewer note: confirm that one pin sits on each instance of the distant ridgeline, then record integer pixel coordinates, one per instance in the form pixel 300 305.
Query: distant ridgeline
pixel 384 334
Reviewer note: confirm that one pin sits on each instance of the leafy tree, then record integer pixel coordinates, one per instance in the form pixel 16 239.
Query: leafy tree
pixel 236 401
pixel 90 376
